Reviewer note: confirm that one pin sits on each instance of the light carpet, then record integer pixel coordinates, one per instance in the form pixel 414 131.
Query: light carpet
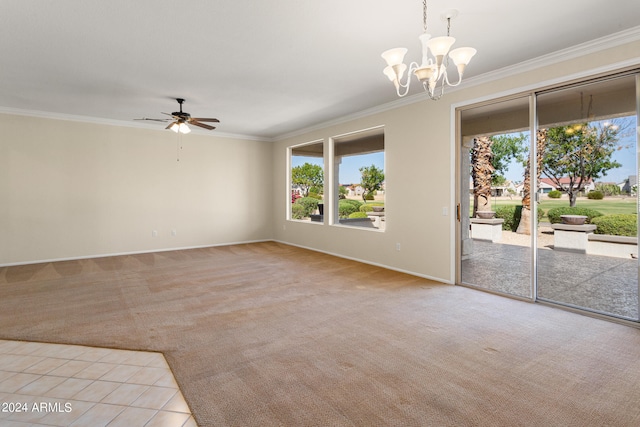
pixel 269 334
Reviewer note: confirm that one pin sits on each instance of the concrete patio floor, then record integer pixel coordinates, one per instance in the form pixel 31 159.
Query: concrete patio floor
pixel 597 283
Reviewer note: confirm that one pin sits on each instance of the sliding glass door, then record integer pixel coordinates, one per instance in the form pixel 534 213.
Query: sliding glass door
pixel 495 146
pixel 548 196
pixel 588 192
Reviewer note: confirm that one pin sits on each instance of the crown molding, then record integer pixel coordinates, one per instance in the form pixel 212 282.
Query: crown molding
pixel 597 45
pixel 119 123
pixel 593 46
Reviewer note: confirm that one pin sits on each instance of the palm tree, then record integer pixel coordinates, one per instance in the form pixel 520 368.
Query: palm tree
pixel 524 227
pixel 481 172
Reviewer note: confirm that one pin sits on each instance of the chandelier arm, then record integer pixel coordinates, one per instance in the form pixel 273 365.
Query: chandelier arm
pixel 446 78
pixel 412 67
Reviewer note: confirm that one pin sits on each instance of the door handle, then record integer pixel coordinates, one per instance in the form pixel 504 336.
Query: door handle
pixel 458 211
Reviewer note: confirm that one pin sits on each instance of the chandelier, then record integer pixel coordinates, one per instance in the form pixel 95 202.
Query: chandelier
pixel 432 72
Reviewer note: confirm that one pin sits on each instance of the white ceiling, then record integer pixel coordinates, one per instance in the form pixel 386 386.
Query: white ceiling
pixel 264 68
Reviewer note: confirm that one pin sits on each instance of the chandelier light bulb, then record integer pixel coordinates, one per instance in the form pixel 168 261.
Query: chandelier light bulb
pixel 394 56
pixel 439 46
pixel 462 55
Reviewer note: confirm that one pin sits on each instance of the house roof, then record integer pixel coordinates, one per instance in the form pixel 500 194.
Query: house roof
pixel 563 181
pixel 265 69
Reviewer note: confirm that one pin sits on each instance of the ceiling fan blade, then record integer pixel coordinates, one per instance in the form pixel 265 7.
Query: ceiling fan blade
pixel 153 120
pixel 205 120
pixel 202 125
pixel 162 112
pixel 170 124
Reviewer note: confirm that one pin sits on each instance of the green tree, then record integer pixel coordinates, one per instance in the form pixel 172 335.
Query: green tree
pixel 371 180
pixel 504 149
pixel 579 153
pixel 307 176
pixel 342 192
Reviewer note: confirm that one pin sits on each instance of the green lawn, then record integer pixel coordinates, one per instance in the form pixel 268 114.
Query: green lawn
pixel 606 206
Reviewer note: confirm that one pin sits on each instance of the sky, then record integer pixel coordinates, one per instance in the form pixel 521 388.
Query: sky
pixel 349 168
pixel 625 156
pixel 350 174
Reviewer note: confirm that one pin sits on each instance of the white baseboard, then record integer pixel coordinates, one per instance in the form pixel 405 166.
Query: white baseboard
pixel 41 261
pixel 388 267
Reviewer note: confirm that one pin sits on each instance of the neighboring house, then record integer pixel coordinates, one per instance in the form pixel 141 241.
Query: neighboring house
pixel 543 188
pixel 503 190
pixel 627 185
pixel 354 190
pixel 549 183
pixel 500 190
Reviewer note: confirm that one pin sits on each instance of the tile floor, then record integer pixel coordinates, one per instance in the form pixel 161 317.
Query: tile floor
pixel 69 385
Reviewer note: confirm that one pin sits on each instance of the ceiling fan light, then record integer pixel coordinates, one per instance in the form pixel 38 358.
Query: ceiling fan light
pixel 175 127
pixel 183 128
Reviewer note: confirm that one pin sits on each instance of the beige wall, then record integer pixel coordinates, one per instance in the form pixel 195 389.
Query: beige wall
pixel 420 172
pixel 71 189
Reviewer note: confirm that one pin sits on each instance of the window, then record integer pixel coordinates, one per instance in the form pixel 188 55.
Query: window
pixel 306 177
pixel 359 180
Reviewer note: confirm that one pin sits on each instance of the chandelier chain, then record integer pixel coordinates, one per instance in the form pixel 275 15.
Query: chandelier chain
pixel 424 15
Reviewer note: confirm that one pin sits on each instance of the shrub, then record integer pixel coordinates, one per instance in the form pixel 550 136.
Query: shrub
pixel 608 189
pixel 309 203
pixel 356 203
pixel 369 196
pixel 297 211
pixel 366 208
pixel 315 196
pixel 511 215
pixel 595 195
pixel 617 224
pixel 554 194
pixel 358 215
pixel 345 208
pixel 555 213
pixel 315 189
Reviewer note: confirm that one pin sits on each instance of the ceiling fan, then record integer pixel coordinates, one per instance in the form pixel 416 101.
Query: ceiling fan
pixel 182 118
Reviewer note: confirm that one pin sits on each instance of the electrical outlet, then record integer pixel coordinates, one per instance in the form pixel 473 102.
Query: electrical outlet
pixel 154 233
pixel 397 246
pixel 445 211
pixel 173 233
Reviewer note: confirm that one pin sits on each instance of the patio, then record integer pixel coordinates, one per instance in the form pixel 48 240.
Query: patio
pixel 598 283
